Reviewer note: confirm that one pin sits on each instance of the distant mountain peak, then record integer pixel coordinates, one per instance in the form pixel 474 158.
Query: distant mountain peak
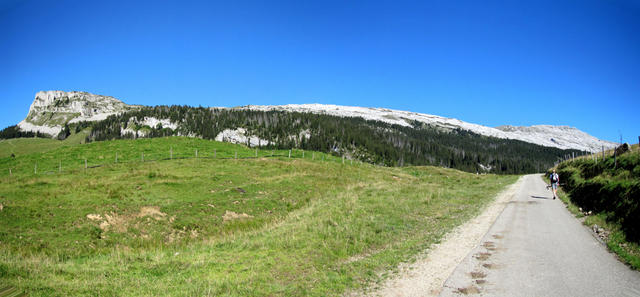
pixel 51 110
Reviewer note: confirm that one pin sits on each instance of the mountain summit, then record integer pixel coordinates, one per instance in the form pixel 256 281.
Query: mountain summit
pixel 51 110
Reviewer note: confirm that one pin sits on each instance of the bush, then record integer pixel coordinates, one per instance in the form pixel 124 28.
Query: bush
pixel 628 210
pixel 610 187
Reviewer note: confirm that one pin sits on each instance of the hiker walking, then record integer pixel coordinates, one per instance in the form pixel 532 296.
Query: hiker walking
pixel 554 180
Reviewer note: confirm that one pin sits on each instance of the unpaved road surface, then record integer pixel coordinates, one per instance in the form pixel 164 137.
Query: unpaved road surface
pixel 537 248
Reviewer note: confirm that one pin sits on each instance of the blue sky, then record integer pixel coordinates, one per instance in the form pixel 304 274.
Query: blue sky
pixel 574 63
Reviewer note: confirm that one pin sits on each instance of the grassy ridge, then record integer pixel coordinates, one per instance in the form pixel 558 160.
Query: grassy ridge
pixel 55 156
pixel 178 227
pixel 26 146
pixel 610 189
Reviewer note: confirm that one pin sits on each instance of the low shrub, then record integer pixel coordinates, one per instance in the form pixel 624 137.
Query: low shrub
pixel 610 186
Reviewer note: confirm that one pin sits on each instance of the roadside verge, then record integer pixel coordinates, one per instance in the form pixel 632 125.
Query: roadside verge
pixel 427 275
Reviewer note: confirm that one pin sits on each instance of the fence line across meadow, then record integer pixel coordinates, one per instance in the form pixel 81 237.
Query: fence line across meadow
pixel 86 164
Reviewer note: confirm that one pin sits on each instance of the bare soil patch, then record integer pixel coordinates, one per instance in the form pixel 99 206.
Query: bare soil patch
pixel 469 290
pixel 489 266
pixel 477 274
pixel 151 211
pixel 230 215
pixel 483 256
pixel 119 223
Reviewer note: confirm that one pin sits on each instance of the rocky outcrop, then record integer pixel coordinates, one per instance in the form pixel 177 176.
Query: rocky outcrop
pixel 51 110
pixel 625 147
pixel 240 136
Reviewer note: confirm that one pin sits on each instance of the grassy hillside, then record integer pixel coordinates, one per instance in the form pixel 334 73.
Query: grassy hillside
pixel 25 146
pixel 610 190
pixel 273 226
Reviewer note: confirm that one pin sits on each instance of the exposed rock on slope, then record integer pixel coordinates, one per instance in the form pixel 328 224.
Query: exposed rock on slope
pixel 562 137
pixel 239 135
pixel 51 110
pixel 557 136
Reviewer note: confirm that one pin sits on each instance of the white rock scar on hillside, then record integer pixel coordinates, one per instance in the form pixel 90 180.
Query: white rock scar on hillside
pixel 239 136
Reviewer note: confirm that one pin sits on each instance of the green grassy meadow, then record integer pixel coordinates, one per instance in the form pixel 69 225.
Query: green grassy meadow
pixel 26 146
pixel 218 226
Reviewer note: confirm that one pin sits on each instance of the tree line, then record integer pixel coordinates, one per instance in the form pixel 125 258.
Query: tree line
pixel 366 140
pixel 15 132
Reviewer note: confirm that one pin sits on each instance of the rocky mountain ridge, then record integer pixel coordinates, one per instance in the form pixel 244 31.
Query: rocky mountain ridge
pixel 563 137
pixel 51 110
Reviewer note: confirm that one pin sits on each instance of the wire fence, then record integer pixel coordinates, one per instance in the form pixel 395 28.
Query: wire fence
pixel 46 164
pixel 600 156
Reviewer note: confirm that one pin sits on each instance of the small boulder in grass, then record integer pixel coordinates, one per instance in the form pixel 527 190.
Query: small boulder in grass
pixel 623 148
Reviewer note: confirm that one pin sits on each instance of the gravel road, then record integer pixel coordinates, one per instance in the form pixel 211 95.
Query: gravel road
pixel 537 248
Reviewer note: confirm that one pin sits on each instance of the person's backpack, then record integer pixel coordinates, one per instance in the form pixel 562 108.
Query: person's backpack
pixel 554 177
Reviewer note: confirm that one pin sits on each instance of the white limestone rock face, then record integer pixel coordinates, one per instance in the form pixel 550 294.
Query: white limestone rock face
pixel 51 110
pixel 141 127
pixel 239 136
pixel 562 137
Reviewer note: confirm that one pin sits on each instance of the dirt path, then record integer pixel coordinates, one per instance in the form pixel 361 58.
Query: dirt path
pixel 427 275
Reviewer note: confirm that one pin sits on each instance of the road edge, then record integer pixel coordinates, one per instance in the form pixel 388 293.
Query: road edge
pixel 427 275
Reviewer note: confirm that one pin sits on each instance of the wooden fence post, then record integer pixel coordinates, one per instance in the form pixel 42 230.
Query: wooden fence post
pixel 256 153
pixel 85 164
pixel 302 154
pixel 10 173
pixel 313 156
pixel 236 155
pixel 289 154
pixel 35 168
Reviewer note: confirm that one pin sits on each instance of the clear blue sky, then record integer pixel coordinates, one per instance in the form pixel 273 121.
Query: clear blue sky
pixel 493 63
